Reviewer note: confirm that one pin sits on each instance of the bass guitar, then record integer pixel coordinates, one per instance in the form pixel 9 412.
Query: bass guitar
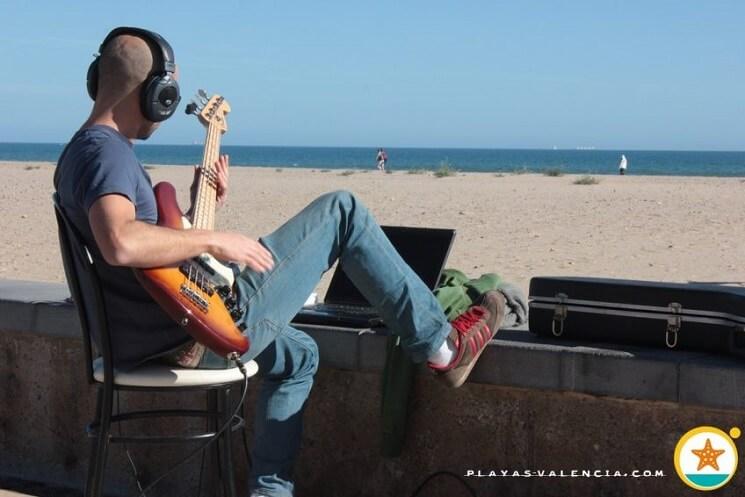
pixel 198 293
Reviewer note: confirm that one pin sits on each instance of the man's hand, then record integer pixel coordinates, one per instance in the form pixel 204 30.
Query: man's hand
pixel 230 246
pixel 220 170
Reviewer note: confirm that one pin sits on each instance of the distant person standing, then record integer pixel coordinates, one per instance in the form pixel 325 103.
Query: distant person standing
pixel 381 159
pixel 622 165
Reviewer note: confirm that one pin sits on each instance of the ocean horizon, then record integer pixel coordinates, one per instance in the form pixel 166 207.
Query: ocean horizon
pixel 570 161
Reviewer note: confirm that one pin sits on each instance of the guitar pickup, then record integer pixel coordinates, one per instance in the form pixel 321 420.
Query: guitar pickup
pixel 201 283
pixel 194 297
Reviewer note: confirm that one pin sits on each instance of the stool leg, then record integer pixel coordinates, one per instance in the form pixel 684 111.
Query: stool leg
pixel 226 448
pixel 215 478
pixel 100 444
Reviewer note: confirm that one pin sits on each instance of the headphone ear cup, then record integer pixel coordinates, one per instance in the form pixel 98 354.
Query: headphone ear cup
pixel 91 79
pixel 160 97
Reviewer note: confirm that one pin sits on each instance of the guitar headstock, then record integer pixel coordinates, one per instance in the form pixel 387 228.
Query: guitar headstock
pixel 210 110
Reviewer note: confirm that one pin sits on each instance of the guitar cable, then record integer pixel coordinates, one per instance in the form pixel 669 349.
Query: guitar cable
pixel 233 356
pixel 434 475
pixel 242 368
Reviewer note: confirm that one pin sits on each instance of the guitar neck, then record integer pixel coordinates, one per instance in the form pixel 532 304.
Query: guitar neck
pixel 206 199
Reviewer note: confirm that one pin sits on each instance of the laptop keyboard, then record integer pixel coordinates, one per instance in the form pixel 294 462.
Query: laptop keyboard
pixel 348 309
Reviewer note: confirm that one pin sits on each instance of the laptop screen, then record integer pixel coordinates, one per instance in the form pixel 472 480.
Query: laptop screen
pixel 424 249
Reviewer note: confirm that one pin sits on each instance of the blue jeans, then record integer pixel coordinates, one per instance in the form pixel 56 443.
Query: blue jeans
pixel 334 226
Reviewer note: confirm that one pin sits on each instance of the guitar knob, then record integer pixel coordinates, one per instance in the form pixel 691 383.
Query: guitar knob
pixel 236 314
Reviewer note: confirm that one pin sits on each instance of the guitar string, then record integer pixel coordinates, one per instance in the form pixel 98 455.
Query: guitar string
pixel 210 178
pixel 205 203
pixel 200 207
pixel 190 276
pixel 208 174
pixel 202 197
pixel 192 271
pixel 198 220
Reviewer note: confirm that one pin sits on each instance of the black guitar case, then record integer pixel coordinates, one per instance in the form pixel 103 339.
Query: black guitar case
pixel 697 317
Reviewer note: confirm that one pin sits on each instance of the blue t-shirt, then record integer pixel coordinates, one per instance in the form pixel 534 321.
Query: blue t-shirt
pixel 100 161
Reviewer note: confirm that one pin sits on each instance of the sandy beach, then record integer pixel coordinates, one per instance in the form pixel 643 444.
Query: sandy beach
pixel 518 225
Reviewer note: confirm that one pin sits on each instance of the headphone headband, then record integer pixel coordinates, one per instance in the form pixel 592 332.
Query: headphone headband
pixel 167 62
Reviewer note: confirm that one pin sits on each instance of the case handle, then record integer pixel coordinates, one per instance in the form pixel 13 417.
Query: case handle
pixel 673 325
pixel 560 314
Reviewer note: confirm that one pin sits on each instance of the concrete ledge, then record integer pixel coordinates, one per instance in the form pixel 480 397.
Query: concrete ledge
pixel 38 307
pixel 517 358
pixel 531 404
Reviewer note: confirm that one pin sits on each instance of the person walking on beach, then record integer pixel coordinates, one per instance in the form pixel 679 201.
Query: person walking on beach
pixel 622 165
pixel 107 195
pixel 381 159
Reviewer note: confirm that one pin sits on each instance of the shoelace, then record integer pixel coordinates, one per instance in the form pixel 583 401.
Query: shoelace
pixel 462 325
pixel 465 321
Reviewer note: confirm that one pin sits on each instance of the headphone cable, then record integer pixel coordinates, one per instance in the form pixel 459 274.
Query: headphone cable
pixel 236 358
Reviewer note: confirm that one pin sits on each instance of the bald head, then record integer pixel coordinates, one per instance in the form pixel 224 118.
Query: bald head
pixel 125 63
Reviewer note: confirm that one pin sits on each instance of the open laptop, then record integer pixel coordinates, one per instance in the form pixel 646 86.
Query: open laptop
pixel 425 250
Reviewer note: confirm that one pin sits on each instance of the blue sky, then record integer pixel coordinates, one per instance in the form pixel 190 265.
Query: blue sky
pixel 468 73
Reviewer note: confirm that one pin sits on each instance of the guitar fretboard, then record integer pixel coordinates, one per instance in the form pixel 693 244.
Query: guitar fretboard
pixel 203 216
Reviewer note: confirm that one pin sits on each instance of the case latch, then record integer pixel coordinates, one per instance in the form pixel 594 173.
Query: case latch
pixel 560 314
pixel 673 325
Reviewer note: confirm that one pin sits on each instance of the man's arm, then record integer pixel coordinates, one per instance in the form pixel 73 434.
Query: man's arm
pixel 125 241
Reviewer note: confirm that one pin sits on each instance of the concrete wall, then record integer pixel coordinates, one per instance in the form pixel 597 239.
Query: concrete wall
pixel 533 405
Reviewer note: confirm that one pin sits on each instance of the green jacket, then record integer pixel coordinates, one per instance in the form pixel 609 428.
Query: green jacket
pixel 456 292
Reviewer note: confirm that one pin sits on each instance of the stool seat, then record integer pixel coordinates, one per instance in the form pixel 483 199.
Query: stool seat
pixel 153 374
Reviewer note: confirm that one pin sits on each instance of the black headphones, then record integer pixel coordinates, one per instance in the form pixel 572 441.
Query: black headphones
pixel 160 92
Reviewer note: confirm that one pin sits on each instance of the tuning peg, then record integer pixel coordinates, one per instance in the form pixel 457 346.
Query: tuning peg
pixel 203 94
pixel 192 108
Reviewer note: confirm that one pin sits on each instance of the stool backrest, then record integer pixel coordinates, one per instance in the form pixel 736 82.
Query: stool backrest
pixel 85 288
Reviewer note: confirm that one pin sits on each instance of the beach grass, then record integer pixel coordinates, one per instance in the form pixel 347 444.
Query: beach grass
pixel 445 170
pixel 586 180
pixel 553 171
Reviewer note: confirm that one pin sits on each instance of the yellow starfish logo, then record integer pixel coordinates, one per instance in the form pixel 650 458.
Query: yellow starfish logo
pixel 708 456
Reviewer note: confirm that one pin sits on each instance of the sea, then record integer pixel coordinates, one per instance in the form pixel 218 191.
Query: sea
pixel 571 161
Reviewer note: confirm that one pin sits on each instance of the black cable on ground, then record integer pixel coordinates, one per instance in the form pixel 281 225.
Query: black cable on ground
pixel 445 473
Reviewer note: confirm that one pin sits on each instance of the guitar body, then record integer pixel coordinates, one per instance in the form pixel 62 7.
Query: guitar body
pixel 186 293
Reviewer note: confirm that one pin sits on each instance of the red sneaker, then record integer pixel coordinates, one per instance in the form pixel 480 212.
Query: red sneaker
pixel 471 331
